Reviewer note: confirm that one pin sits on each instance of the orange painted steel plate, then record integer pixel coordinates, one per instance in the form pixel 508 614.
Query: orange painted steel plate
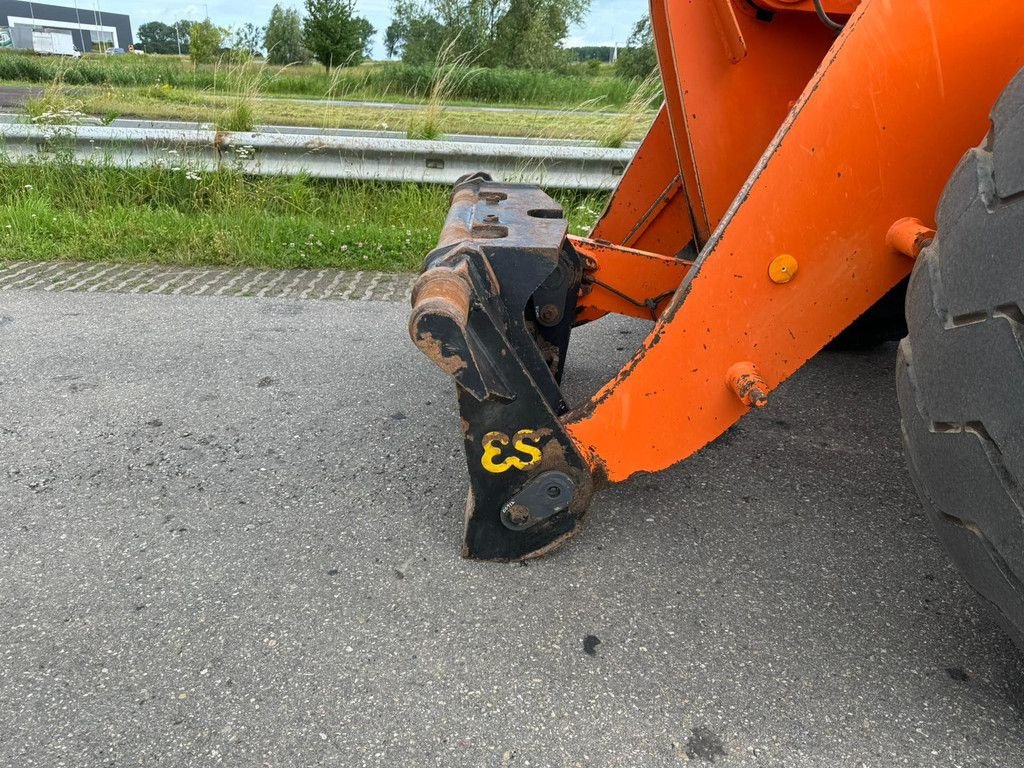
pixel 836 7
pixel 904 92
pixel 647 211
pixel 724 112
pixel 636 274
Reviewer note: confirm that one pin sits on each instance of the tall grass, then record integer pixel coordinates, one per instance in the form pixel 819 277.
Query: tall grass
pixel 55 106
pixel 391 80
pixel 636 115
pixel 175 214
pixel 240 113
pixel 450 72
pixel 498 85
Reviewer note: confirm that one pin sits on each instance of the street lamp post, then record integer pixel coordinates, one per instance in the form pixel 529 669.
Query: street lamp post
pixel 81 37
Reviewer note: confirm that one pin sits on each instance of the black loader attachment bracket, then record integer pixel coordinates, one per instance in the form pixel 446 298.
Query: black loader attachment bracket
pixel 493 309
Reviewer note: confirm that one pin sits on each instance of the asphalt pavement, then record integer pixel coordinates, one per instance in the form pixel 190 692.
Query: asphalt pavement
pixel 230 530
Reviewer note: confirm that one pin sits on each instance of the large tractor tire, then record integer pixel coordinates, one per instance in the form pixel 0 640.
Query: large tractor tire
pixel 960 370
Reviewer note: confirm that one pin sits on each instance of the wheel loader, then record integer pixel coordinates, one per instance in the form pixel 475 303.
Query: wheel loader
pixel 809 157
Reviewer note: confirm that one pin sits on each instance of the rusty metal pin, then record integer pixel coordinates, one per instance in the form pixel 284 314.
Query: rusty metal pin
pixel 748 385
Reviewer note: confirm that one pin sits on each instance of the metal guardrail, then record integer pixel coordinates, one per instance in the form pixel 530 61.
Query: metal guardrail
pixel 333 157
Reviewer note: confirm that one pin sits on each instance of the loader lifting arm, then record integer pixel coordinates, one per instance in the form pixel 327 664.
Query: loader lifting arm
pixel 786 186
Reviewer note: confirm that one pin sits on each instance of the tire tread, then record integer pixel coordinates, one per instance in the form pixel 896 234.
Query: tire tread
pixel 960 370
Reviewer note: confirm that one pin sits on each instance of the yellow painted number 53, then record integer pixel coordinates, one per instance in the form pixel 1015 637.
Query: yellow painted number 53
pixel 524 443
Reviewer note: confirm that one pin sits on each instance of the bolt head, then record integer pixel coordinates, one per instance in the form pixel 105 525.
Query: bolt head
pixel 518 514
pixel 549 314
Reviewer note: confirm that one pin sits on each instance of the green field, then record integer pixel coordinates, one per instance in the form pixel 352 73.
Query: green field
pixel 388 81
pixel 55 210
pixel 182 104
pixel 242 96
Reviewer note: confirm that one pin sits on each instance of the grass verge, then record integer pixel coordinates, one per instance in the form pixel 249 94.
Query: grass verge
pixel 56 210
pixel 178 104
pixel 383 80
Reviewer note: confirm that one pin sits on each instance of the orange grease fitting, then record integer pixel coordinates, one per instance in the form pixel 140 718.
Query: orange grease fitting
pixel 748 385
pixel 783 269
pixel 909 236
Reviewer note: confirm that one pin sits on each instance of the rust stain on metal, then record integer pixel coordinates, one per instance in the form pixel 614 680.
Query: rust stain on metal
pixel 748 385
pixel 470 506
pixel 434 350
pixel 518 514
pixel 440 293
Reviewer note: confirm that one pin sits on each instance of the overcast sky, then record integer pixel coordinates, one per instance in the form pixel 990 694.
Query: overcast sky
pixel 609 21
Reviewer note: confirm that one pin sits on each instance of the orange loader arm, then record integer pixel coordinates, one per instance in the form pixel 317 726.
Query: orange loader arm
pixel 786 186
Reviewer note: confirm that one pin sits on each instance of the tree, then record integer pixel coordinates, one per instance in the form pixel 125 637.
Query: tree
pixel 283 37
pixel 513 33
pixel 423 28
pixel 157 37
pixel 530 33
pixel 584 53
pixel 248 40
pixel 638 59
pixel 205 39
pixel 414 34
pixel 334 34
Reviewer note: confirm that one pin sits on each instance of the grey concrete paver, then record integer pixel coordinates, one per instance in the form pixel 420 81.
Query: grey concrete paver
pixel 99 277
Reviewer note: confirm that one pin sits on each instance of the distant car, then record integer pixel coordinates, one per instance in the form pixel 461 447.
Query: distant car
pixel 115 51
